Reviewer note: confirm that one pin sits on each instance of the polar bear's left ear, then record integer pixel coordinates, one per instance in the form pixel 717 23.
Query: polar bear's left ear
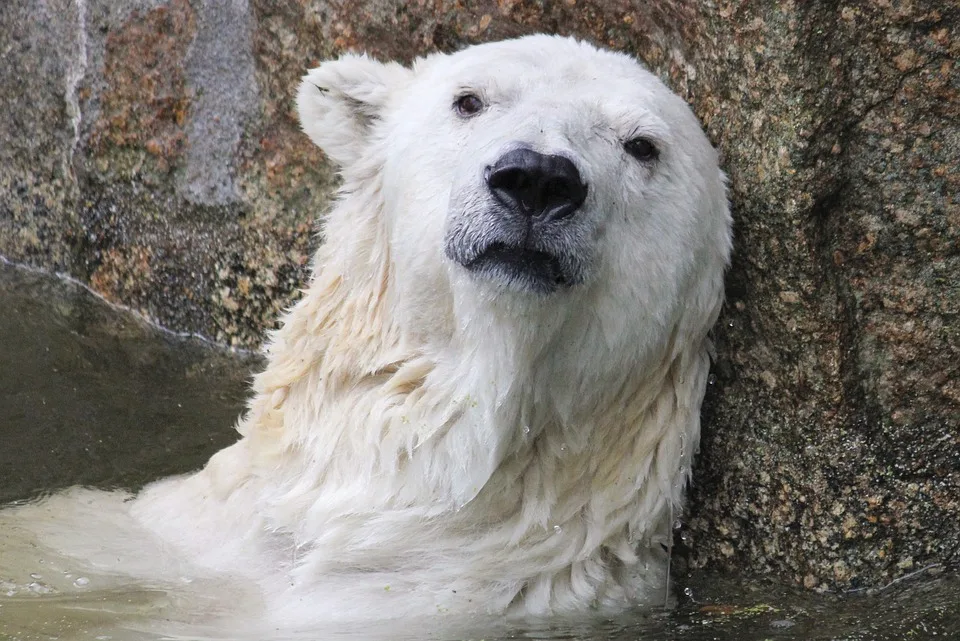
pixel 340 100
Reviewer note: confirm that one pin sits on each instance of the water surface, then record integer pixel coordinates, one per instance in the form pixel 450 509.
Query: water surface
pixel 93 395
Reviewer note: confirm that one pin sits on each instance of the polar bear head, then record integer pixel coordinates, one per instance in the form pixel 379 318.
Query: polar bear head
pixel 542 221
pixel 539 173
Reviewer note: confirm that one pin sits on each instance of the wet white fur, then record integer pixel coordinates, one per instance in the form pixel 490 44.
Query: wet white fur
pixel 422 441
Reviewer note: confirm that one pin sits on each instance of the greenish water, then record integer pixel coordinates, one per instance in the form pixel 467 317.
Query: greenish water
pixel 92 395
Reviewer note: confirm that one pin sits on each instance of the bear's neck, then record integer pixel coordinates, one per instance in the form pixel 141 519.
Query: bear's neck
pixel 528 427
pixel 345 385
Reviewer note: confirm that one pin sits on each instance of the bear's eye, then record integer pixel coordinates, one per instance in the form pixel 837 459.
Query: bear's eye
pixel 469 104
pixel 641 149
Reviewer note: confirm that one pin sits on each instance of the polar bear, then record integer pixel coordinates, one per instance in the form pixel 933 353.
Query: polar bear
pixel 487 399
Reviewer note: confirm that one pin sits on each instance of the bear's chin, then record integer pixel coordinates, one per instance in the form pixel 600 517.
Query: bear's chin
pixel 521 269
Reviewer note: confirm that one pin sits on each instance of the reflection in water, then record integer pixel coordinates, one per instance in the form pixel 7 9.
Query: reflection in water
pixel 91 395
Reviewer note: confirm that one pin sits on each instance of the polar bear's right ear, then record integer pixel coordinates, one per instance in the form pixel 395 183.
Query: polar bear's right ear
pixel 339 101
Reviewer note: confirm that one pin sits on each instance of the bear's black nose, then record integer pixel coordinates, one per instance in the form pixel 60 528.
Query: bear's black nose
pixel 536 185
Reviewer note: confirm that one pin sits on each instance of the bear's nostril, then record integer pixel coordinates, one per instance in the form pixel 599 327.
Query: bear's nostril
pixel 536 184
pixel 510 179
pixel 514 185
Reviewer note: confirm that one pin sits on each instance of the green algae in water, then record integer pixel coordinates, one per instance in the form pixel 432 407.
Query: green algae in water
pixel 93 395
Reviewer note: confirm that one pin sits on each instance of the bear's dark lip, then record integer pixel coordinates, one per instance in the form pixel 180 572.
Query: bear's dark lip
pixel 521 267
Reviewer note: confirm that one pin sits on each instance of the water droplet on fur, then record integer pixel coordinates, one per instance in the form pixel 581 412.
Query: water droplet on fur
pixel 557 529
pixel 526 429
pixel 81 582
pixel 712 379
pixel 677 524
pixel 35 576
pixel 688 592
pixel 563 447
pixel 686 538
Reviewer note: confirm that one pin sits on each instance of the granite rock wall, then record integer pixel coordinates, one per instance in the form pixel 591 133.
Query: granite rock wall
pixel 150 149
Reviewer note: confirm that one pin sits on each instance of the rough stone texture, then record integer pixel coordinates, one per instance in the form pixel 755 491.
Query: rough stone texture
pixel 149 147
pixel 138 154
pixel 832 446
